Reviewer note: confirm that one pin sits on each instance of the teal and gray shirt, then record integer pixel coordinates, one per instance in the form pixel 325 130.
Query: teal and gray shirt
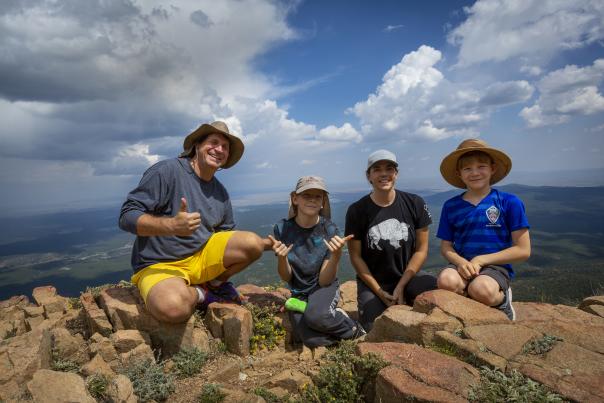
pixel 309 251
pixel 159 193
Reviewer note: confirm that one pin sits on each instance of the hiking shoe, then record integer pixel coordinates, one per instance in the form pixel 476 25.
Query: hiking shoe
pixel 295 304
pixel 506 306
pixel 224 292
pixel 359 332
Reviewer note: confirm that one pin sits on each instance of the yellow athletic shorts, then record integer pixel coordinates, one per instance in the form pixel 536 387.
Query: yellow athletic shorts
pixel 205 265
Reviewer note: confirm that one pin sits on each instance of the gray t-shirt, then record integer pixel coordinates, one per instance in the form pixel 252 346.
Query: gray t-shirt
pixel 159 193
pixel 309 251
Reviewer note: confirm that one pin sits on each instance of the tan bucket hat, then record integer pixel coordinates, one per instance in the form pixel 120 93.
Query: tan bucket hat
pixel 236 146
pixel 448 167
pixel 306 183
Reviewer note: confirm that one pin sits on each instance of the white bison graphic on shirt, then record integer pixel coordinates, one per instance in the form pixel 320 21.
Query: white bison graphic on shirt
pixel 391 230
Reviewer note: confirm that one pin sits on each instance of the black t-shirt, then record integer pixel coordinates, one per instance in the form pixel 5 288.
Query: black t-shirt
pixel 309 251
pixel 387 234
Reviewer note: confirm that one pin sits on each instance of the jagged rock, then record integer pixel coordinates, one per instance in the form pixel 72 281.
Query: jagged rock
pixel 44 294
pixel 68 347
pixel 142 352
pixel 103 346
pixel 58 387
pixel 233 324
pixel 593 305
pixel 282 318
pixel 468 311
pixel 53 304
pixel 33 311
pixel 572 371
pixel 234 395
pixel 470 350
pixel 120 390
pixel 572 324
pixel 96 319
pixel 21 356
pixel 259 296
pixel 595 310
pixel 12 322
pixel 430 368
pixel 126 340
pixel 126 310
pixel 229 372
pixel 97 366
pixel 34 322
pixel 17 300
pixel 397 323
pixel 170 338
pixel 348 299
pixel 437 321
pixel 290 380
pixel 505 340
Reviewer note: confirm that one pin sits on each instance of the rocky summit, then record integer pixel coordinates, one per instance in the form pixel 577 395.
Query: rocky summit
pixel 443 349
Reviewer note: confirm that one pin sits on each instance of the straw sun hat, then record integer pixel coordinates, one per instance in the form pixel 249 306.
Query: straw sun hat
pixel 235 144
pixel 448 167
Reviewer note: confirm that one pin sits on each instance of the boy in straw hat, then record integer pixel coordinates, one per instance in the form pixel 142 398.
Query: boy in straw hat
pixel 185 246
pixel 482 230
pixel 308 249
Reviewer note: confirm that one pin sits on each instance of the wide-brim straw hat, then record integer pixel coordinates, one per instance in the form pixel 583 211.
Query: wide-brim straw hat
pixel 236 146
pixel 306 183
pixel 448 167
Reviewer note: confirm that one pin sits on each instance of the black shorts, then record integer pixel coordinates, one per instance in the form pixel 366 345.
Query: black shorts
pixel 497 273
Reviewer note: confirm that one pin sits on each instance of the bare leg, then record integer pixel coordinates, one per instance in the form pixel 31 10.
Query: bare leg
pixel 449 279
pixel 172 300
pixel 242 250
pixel 486 290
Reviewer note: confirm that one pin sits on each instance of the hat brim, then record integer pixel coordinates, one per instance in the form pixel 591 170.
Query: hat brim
pixel 448 166
pixel 325 211
pixel 236 146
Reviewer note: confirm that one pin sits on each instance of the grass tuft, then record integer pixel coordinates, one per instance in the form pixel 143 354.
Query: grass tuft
pixel 97 385
pixel 497 387
pixel 542 345
pixel 267 395
pixel 189 361
pixel 149 380
pixel 211 393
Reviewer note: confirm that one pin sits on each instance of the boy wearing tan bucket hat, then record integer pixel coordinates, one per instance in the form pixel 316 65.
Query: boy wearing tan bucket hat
pixel 308 247
pixel 186 248
pixel 482 230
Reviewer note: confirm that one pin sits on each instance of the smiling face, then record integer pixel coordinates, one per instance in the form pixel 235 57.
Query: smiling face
pixel 309 202
pixel 212 152
pixel 476 171
pixel 382 175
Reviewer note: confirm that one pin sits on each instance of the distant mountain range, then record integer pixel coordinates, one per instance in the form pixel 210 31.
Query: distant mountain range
pixel 72 250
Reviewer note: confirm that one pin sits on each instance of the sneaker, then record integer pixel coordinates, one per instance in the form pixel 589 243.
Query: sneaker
pixel 359 332
pixel 506 306
pixel 295 304
pixel 224 292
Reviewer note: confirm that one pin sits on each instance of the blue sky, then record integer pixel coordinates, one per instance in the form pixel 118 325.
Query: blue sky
pixel 92 93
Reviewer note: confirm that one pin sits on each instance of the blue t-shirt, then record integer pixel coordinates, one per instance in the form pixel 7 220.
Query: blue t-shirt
pixel 309 251
pixel 482 229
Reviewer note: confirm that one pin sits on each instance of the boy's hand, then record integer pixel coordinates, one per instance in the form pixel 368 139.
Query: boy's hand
pixel 336 244
pixel 468 270
pixel 387 299
pixel 399 295
pixel 280 249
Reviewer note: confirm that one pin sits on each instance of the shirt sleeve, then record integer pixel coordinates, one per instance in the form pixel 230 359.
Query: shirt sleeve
pixel 445 232
pixel 149 197
pixel 515 214
pixel 424 218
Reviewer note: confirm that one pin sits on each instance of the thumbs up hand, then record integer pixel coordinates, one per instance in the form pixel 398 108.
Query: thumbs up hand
pixel 185 223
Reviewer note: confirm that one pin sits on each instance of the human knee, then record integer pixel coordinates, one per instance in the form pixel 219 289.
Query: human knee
pixel 483 292
pixel 172 308
pixel 318 320
pixel 251 244
pixel 449 280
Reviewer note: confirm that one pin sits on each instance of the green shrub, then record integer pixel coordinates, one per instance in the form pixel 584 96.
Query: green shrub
pixel 344 377
pixel 189 361
pixel 211 393
pixel 74 303
pixel 542 345
pixel 267 395
pixel 97 386
pixel 267 332
pixel 59 364
pixel 149 380
pixel 497 387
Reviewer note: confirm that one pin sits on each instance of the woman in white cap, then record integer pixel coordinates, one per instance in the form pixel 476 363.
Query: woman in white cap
pixel 390 243
pixel 308 249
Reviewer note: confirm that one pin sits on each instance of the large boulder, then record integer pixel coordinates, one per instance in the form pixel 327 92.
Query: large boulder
pixel 58 387
pixel 96 319
pixel 233 324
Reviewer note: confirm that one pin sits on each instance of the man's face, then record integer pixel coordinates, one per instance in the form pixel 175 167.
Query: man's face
pixel 213 151
pixel 382 175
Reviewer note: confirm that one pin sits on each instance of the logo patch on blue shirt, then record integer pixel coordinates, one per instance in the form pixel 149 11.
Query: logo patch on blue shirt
pixel 493 215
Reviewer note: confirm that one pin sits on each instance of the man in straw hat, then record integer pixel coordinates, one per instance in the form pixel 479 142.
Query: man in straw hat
pixel 186 248
pixel 482 230
pixel 390 243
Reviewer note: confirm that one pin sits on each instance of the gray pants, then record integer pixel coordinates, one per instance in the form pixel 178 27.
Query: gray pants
pixel 371 306
pixel 321 324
